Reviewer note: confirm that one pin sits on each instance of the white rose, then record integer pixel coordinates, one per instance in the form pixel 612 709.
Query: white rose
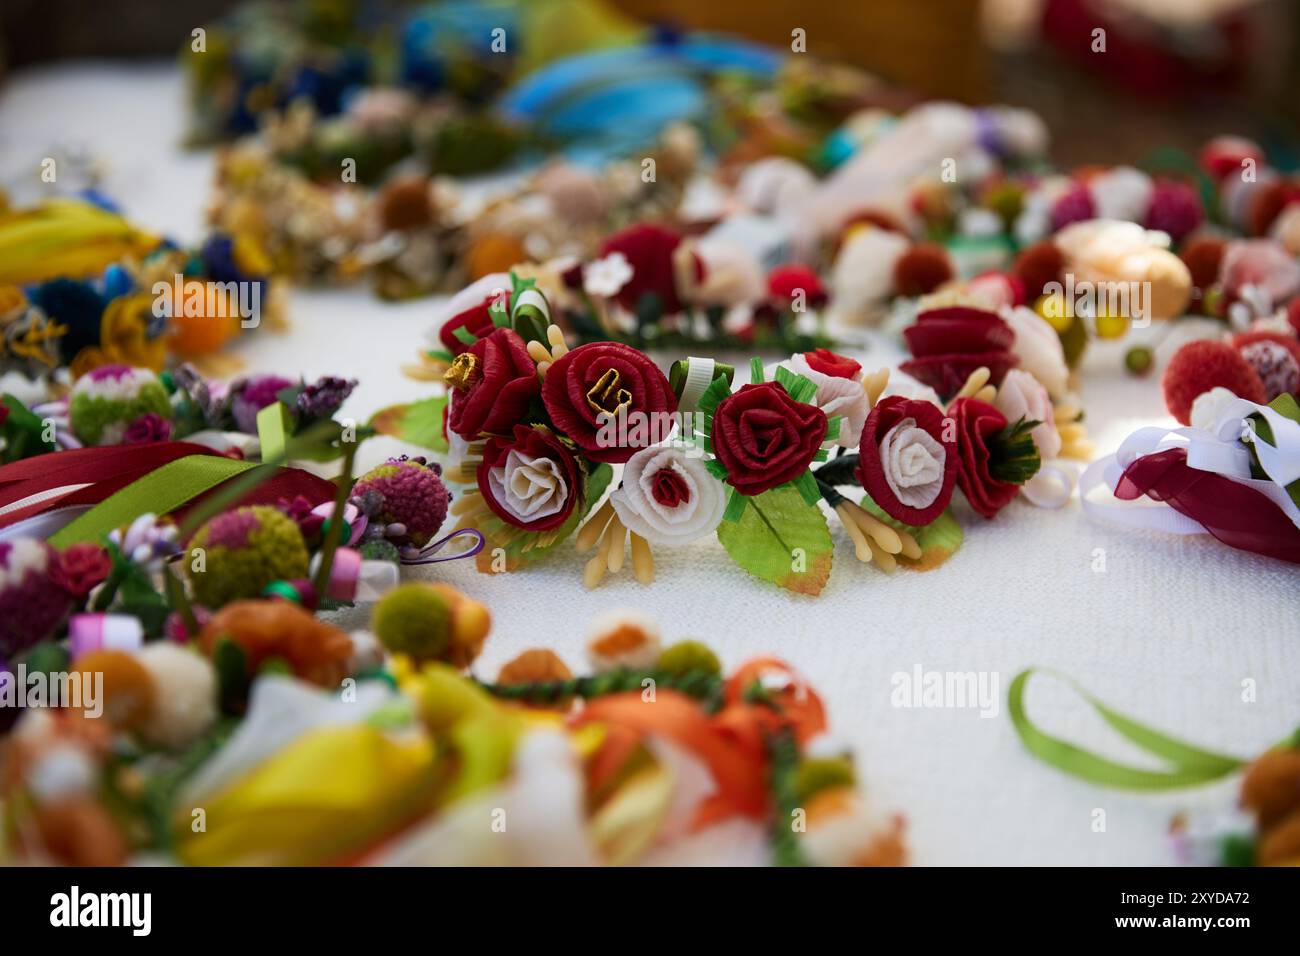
pixel 1022 396
pixel 668 497
pixel 528 488
pixel 913 463
pixel 837 396
pixel 1039 349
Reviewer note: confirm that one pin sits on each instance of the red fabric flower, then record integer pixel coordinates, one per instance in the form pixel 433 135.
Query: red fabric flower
pixel 476 320
pixel 828 363
pixel 81 568
pixel 492 384
pixel 948 344
pixel 649 249
pixel 785 282
pixel 536 444
pixel 585 386
pixel 871 468
pixel 977 422
pixel 764 438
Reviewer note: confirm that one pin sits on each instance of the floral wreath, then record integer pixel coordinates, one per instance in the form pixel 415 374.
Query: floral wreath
pixel 534 428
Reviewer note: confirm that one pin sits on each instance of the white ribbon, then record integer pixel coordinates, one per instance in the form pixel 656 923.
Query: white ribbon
pixel 1219 450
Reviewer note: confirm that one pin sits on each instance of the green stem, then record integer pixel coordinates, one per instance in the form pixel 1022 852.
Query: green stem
pixel 334 532
pixel 783 754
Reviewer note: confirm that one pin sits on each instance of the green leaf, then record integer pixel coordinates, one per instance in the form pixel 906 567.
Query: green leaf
pixel 22 431
pixel 780 538
pixel 939 539
pixel 522 547
pixel 419 423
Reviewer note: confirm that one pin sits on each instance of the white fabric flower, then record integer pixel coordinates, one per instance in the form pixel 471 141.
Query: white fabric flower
pixel 1022 396
pixel 732 275
pixel 913 463
pixel 837 396
pixel 528 488
pixel 1121 193
pixel 863 275
pixel 1039 348
pixel 606 277
pixel 668 497
pixel 1208 407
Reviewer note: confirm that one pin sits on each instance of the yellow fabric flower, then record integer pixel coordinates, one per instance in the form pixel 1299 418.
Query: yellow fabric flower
pixel 12 301
pixel 123 333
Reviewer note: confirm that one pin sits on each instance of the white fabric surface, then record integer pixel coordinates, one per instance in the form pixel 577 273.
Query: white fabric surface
pixel 1167 634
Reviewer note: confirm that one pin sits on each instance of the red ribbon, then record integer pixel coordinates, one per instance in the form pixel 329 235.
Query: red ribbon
pixel 107 470
pixel 1234 513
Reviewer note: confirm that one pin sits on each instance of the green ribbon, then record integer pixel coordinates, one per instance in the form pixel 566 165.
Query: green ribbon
pixel 273 431
pixel 1188 766
pixel 158 492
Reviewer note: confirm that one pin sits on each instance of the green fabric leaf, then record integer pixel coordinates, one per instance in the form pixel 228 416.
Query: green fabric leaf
pixel 464 335
pixel 419 423
pixel 781 539
pixel 23 431
pixel 939 539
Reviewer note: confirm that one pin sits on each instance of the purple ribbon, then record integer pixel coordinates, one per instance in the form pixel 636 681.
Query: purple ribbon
pixel 429 553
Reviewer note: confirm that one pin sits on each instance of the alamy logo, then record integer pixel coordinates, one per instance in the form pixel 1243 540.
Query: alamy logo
pixel 214 300
pixel 133 910
pixel 78 690
pixel 946 689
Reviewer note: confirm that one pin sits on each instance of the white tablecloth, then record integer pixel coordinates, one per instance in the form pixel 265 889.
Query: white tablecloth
pixel 1168 632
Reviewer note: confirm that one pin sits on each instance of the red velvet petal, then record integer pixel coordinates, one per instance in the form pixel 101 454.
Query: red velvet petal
pixel 941 336
pixel 946 374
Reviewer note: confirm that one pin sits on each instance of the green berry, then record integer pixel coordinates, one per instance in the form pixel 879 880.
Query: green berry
pixel 1139 359
pixel 816 775
pixel 686 656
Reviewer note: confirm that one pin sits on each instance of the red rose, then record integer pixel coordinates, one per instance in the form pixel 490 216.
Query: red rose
pixel 765 438
pixel 977 423
pixel 476 320
pixel 491 385
pixel 874 471
pixel 828 363
pixel 649 249
pixel 81 568
pixel 537 487
pixel 585 386
pixel 948 344
pixel 785 282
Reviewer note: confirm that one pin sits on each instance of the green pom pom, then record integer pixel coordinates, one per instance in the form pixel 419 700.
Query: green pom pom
pixel 686 656
pixel 380 550
pixel 413 619
pixel 244 551
pixel 101 420
pixel 816 775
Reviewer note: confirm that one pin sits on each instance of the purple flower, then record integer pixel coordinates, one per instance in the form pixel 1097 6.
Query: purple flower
pixel 324 397
pixel 150 427
pixel 251 396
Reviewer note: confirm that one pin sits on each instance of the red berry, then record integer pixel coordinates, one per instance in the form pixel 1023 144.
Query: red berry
pixel 922 269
